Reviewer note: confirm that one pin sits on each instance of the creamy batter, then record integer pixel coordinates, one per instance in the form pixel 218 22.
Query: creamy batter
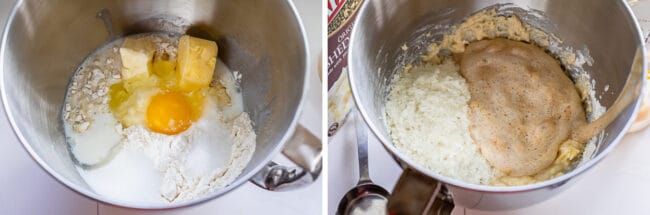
pixel 486 24
pixel 501 108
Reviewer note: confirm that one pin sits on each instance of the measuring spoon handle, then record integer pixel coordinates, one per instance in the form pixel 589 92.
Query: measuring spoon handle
pixel 362 148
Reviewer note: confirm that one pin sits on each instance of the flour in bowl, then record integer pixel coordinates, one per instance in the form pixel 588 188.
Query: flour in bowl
pixel 157 118
pixel 427 106
pixel 426 113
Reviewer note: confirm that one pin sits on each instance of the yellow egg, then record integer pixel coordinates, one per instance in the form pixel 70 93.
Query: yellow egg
pixel 163 93
pixel 196 100
pixel 169 113
pixel 117 95
pixel 166 71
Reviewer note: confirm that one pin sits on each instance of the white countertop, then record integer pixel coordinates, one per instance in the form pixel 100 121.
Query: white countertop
pixel 27 189
pixel 617 185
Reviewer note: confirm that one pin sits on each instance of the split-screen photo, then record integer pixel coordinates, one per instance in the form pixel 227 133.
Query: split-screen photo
pixel 336 107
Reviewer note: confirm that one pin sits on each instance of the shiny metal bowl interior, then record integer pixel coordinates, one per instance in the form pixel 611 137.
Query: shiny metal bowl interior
pixel 607 28
pixel 45 41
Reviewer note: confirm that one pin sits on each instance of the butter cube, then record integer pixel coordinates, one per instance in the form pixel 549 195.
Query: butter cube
pixel 196 61
pixel 136 55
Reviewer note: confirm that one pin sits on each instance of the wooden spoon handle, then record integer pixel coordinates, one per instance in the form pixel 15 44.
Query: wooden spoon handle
pixel 631 91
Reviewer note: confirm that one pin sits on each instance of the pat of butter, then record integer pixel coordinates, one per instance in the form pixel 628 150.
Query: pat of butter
pixel 196 61
pixel 136 55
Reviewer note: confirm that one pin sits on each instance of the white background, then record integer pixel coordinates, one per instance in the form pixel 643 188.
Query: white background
pixel 27 189
pixel 618 185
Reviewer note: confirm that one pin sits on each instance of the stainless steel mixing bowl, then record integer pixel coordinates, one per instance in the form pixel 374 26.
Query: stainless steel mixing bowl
pixel 606 28
pixel 44 42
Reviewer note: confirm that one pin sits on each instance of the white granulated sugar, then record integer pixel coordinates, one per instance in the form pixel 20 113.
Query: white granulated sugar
pixel 427 117
pixel 191 183
pixel 207 157
pixel 175 168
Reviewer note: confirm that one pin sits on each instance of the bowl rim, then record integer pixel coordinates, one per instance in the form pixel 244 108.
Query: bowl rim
pixel 402 158
pixel 88 193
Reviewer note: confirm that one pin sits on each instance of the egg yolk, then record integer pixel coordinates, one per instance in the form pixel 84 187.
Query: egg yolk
pixel 169 113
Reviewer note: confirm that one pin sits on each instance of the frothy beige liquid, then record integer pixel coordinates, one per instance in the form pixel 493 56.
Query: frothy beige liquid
pixel 522 106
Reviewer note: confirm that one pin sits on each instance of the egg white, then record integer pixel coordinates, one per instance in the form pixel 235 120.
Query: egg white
pixel 136 171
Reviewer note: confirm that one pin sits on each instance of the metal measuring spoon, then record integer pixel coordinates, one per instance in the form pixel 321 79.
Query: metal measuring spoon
pixel 366 197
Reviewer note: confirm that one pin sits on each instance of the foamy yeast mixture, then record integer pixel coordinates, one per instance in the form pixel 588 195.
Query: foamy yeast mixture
pixel 522 106
pixel 493 112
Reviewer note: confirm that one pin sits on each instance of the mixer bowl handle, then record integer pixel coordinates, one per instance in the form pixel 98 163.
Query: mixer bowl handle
pixel 304 149
pixel 416 193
